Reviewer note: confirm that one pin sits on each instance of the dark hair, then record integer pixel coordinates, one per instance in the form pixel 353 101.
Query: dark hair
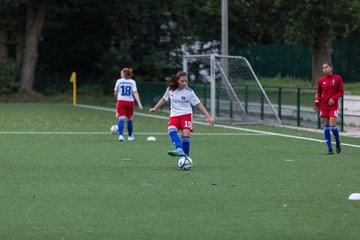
pixel 328 63
pixel 172 81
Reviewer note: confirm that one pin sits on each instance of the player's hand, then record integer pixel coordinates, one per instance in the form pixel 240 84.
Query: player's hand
pixel 210 121
pixel 151 110
pixel 331 102
pixel 316 106
pixel 140 107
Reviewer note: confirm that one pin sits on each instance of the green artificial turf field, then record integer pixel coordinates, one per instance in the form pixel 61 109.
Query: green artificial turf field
pixel 64 176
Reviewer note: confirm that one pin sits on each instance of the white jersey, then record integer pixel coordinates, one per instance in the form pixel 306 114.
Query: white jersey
pixel 181 101
pixel 125 89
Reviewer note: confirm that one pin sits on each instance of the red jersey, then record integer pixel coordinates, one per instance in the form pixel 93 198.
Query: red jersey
pixel 329 87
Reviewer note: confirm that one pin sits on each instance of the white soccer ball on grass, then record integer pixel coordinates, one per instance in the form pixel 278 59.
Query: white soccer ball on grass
pixel 185 163
pixel 114 129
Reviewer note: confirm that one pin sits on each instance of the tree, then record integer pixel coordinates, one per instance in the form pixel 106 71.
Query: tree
pixel 20 28
pixel 35 18
pixel 9 66
pixel 254 22
pixel 3 44
pixel 8 24
pixel 316 23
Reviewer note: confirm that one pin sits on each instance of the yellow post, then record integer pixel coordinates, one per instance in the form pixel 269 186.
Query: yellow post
pixel 73 80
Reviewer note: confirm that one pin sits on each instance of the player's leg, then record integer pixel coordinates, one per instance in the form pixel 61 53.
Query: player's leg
pixel 173 126
pixel 328 139
pixel 185 140
pixel 121 128
pixel 332 123
pixel 120 113
pixel 324 114
pixel 130 116
pixel 130 129
pixel 187 127
pixel 327 135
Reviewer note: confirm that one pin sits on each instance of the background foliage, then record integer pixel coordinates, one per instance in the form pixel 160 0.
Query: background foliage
pixel 97 38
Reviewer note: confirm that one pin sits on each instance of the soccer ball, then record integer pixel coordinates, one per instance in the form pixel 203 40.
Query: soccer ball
pixel 185 163
pixel 114 129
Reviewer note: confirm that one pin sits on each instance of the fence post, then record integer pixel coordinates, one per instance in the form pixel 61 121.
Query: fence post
pixel 213 86
pixel 217 104
pixel 246 99
pixel 342 113
pixel 262 105
pixel 298 107
pixel 279 101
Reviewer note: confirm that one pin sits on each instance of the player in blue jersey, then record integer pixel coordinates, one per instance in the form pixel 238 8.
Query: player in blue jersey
pixel 181 99
pixel 125 91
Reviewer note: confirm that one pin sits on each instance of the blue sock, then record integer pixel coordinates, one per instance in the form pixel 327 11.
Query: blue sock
pixel 174 138
pixel 335 131
pixel 186 144
pixel 121 126
pixel 130 127
pixel 327 137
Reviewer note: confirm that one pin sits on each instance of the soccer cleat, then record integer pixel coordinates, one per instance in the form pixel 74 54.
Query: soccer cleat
pixel 176 152
pixel 330 152
pixel 338 148
pixel 131 138
pixel 121 138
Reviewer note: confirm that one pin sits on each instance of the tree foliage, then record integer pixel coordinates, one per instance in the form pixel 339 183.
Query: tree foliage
pixel 97 38
pixel 8 77
pixel 255 22
pixel 316 23
pixel 147 35
pixel 310 18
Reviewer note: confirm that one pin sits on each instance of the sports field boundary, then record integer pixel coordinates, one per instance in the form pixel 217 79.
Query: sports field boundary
pixel 221 126
pixel 137 133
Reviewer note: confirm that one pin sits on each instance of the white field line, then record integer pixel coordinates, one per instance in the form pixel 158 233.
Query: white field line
pixel 224 126
pixel 285 135
pixel 137 133
pixel 254 132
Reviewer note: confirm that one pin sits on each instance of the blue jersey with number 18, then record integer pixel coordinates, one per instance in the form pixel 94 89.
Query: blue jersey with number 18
pixel 125 88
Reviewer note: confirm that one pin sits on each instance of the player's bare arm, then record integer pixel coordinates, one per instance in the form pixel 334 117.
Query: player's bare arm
pixel 158 105
pixel 209 119
pixel 136 96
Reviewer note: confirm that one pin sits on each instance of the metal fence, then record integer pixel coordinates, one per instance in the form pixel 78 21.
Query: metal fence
pixel 293 105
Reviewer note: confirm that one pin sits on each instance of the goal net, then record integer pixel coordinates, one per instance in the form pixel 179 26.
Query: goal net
pixel 229 87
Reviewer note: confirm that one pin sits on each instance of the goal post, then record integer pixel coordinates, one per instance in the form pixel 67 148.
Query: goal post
pixel 236 94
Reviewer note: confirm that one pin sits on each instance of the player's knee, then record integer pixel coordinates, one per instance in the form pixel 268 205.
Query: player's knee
pixel 172 129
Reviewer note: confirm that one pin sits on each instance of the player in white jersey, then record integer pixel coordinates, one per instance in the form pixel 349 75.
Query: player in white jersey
pixel 181 99
pixel 125 91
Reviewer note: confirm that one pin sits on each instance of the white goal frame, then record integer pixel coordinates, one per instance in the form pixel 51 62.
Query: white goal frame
pixel 219 62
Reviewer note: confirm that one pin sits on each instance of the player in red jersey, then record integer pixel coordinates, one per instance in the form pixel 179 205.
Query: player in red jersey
pixel 330 89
